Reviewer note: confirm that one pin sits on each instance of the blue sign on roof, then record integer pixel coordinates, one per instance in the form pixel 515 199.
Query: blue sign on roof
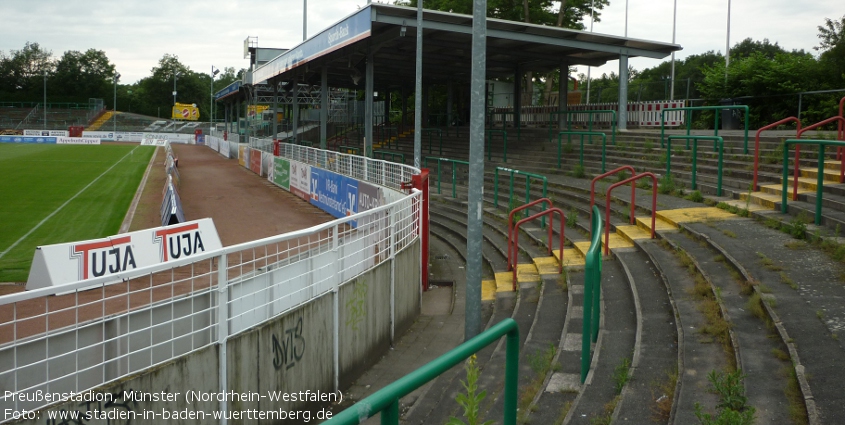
pixel 346 32
pixel 231 88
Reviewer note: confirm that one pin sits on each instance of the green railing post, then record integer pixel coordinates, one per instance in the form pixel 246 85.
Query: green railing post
pixel 454 181
pixel 382 399
pixel 819 183
pixel 717 141
pixel 390 415
pixel 510 195
pixel 496 189
pixel 592 292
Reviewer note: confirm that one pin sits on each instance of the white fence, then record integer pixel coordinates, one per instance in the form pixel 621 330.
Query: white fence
pixel 640 114
pixel 67 340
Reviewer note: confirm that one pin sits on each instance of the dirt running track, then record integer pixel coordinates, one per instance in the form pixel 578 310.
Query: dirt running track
pixel 244 206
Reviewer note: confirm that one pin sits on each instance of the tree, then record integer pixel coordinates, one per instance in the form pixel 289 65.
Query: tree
pixel 832 48
pixel 79 76
pixel 23 71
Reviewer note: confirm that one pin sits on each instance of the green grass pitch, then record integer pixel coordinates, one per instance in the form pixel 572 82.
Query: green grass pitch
pixel 36 180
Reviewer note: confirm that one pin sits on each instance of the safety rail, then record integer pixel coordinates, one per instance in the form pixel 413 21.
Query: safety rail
pixel 454 172
pixel 352 150
pixel 581 156
pixel 430 132
pixel 392 155
pixel 820 178
pixel 79 336
pixel 489 133
pixel 528 177
pixel 386 400
pixel 592 293
pixel 492 121
pixel 757 143
pixel 839 120
pixel 548 211
pixel 717 141
pixel 384 134
pixel 608 174
pixel 590 114
pixel 510 224
pixel 689 110
pixel 633 220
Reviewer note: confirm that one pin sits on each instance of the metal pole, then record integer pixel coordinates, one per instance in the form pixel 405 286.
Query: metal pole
pixel 472 325
pixel 45 99
pixel 674 27
pixel 324 106
pixel 369 87
pixel 211 101
pixel 418 89
pixel 626 18
pixel 592 17
pixel 114 106
pixel 622 123
pixel 304 20
pixel 175 74
pixel 728 43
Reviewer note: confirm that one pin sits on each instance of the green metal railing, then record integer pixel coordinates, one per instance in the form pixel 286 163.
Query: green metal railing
pixel 592 293
pixel 505 122
pixel 384 135
pixel 389 156
pixel 568 114
pixel 528 177
pixel 431 132
pixel 454 171
pixel 489 134
pixel 354 150
pixel 689 110
pixel 718 142
pixel 581 157
pixel 386 400
pixel 820 178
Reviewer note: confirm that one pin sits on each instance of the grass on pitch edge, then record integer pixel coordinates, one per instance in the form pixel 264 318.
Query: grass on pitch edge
pixel 38 179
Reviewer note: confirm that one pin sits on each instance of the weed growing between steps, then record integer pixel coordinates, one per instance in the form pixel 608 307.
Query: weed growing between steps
pixel 695 196
pixel 541 364
pixel 563 412
pixel 471 400
pixel 663 395
pixel 733 209
pixel 733 406
pixel 572 218
pixel 622 374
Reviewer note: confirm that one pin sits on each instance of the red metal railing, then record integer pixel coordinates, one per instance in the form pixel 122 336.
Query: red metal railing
pixel 633 220
pixel 510 227
pixel 549 211
pixel 796 173
pixel 840 152
pixel 757 143
pixel 610 173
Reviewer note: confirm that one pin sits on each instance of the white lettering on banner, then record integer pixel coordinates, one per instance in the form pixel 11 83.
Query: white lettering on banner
pixel 46 133
pixel 153 142
pixel 55 265
pixel 338 33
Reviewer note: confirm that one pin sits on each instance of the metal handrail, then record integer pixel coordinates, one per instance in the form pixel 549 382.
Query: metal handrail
pixel 610 173
pixel 581 157
pixel 689 109
pixel 717 140
pixel 549 211
pixel 454 172
pixel 589 121
pixel 839 122
pixel 757 143
pixel 632 219
pixel 510 223
pixel 439 134
pixel 592 293
pixel 819 178
pixel 528 177
pixel 488 147
pixel 393 155
pixel 386 400
pixel 352 150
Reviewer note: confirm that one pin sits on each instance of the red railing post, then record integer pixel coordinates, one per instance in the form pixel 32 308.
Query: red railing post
pixel 510 224
pixel 757 143
pixel 550 212
pixel 601 176
pixel 840 120
pixel 607 206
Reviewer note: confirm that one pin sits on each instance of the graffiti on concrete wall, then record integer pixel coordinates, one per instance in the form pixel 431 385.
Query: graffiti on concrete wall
pixel 290 349
pixel 355 311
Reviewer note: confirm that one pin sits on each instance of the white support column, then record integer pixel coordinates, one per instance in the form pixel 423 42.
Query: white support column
pixel 622 124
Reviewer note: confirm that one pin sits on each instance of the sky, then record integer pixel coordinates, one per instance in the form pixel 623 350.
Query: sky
pixel 136 34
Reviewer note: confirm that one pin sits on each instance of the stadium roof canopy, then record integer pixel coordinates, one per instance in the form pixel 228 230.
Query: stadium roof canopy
pixel 388 32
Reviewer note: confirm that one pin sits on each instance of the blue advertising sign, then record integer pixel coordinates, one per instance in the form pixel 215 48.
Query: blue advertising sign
pixel 27 139
pixel 231 88
pixel 354 28
pixel 334 193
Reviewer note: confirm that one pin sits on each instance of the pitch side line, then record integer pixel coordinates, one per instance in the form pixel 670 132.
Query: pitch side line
pixel 63 205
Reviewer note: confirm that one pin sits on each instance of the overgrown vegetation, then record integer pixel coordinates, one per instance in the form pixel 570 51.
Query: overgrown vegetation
pixel 733 405
pixel 622 374
pixel 662 407
pixel 472 398
pixel 541 364
pixel 578 171
pixel 695 196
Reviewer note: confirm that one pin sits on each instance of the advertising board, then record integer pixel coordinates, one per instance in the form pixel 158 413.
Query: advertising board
pixel 255 161
pixel 46 133
pixel 77 141
pixel 185 111
pixel 334 193
pixel 58 264
pixel 300 180
pixel 281 173
pixel 243 155
pixel 27 139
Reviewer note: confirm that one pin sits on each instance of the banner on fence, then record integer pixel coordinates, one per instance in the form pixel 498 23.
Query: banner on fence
pixel 334 193
pixel 27 139
pixel 300 179
pixel 255 161
pixel 59 264
pixel 281 173
pixel 77 141
pixel 243 155
pixel 47 133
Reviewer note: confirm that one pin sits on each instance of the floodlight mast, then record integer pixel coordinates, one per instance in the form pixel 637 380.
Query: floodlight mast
pixel 214 73
pixel 114 106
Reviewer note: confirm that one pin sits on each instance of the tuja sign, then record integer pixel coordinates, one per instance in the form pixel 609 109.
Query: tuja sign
pixel 58 264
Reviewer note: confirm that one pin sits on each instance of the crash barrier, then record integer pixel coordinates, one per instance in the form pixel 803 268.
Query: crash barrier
pixel 171 204
pixel 307 309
